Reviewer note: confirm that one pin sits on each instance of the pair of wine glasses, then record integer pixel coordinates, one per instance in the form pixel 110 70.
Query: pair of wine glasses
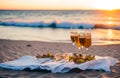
pixel 81 39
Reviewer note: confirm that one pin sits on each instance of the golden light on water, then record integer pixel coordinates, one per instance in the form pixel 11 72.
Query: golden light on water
pixel 110 34
pixel 110 18
pixel 110 22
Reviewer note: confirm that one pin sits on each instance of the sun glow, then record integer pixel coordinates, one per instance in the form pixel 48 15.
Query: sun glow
pixel 106 4
pixel 60 4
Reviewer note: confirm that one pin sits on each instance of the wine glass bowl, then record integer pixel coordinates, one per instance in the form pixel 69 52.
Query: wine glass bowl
pixel 82 39
pixel 88 40
pixel 72 36
pixel 77 35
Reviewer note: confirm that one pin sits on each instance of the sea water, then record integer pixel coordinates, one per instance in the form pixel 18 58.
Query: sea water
pixel 55 25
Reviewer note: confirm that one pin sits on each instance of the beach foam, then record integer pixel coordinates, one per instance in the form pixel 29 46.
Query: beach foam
pixel 64 25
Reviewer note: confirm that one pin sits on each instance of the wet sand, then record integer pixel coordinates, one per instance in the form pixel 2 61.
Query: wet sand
pixel 11 49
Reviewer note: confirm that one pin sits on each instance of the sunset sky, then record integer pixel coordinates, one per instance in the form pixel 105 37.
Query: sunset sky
pixel 59 4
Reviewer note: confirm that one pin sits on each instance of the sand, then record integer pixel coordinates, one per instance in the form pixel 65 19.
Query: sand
pixel 13 49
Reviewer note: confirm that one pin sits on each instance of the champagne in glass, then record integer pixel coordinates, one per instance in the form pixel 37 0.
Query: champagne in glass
pixel 82 39
pixel 72 36
pixel 88 40
pixel 73 33
pixel 77 40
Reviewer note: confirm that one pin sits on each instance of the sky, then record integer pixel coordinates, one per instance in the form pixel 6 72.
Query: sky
pixel 59 4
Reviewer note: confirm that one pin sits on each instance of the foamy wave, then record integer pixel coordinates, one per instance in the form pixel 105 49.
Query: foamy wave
pixel 66 25
pixel 107 26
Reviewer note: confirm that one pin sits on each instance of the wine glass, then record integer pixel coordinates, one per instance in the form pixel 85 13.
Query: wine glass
pixel 73 33
pixel 82 39
pixel 88 40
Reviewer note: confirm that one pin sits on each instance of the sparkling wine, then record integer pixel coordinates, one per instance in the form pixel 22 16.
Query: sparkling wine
pixel 87 43
pixel 77 41
pixel 72 38
pixel 82 41
pixel 88 40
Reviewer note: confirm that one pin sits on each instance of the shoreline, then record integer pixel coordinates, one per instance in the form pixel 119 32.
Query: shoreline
pixel 13 49
pixel 67 42
pixel 106 36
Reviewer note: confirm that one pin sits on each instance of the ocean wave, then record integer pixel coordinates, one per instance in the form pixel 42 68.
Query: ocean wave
pixel 65 25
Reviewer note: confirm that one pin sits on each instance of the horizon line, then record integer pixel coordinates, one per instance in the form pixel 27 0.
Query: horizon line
pixel 57 9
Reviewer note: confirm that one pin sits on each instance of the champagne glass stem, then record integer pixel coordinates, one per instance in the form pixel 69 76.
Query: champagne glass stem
pixel 73 43
pixel 86 50
pixel 82 46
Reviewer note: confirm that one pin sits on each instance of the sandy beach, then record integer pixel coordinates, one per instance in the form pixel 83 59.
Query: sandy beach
pixel 11 50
